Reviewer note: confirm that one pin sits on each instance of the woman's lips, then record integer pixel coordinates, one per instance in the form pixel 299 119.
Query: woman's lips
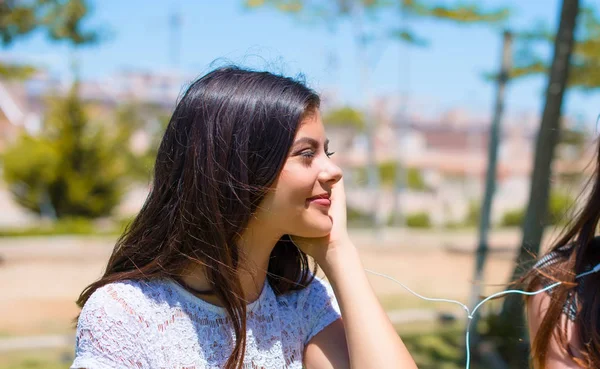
pixel 321 200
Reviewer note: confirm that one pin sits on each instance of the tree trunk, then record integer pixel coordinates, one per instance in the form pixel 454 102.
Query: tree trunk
pixel 373 182
pixel 512 314
pixel 490 180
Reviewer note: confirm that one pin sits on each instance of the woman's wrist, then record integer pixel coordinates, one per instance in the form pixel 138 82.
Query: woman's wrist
pixel 339 256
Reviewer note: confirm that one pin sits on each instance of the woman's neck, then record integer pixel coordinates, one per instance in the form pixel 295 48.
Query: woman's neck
pixel 254 253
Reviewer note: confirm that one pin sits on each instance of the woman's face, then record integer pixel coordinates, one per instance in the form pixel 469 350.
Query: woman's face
pixel 299 201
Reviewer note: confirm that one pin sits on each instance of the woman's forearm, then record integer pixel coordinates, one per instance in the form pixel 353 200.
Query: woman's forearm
pixel 372 339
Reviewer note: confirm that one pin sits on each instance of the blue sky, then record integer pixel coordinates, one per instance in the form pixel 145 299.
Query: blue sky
pixel 446 73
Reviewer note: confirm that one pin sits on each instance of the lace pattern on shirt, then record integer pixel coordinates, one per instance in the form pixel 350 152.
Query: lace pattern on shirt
pixel 158 324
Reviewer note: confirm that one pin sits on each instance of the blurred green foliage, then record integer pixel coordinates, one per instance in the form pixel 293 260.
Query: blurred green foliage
pixel 328 11
pixel 513 218
pixel 473 214
pixel 70 226
pixel 73 168
pixel 345 117
pixel 37 359
pixel 387 172
pixel 442 348
pixel 418 220
pixel 61 20
pixel 559 206
pixel 573 137
pixel 64 226
pixel 358 218
pixel 585 62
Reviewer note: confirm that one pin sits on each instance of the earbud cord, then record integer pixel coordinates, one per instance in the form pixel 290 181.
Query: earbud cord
pixel 470 313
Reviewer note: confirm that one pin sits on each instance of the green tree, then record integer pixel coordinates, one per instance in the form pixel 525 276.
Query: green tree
pixel 584 68
pixel 73 168
pixel 559 206
pixel 343 125
pixel 572 137
pixel 387 174
pixel 513 218
pixel 60 20
pixel 418 220
pixel 458 12
pixel 345 117
pixel 473 217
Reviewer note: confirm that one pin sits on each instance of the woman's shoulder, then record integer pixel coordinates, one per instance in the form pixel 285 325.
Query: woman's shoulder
pixel 126 297
pixel 311 309
pixel 317 290
pixel 121 290
pixel 113 326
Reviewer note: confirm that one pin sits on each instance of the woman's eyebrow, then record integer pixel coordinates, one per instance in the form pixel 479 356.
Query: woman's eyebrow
pixel 308 140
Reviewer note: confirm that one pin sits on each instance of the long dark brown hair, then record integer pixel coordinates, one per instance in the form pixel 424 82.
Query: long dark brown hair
pixel 225 145
pixel 572 261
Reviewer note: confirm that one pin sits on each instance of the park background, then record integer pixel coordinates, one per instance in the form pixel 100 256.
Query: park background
pixel 466 131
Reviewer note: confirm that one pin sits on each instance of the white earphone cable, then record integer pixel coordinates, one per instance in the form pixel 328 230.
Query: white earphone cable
pixel 470 313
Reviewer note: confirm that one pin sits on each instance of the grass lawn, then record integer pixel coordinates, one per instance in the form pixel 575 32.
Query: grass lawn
pixel 439 348
pixel 46 359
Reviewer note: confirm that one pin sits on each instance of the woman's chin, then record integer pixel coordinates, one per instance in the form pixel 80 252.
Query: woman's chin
pixel 313 225
pixel 318 229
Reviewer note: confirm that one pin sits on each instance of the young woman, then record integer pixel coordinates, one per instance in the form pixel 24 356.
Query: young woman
pixel 214 272
pixel 564 323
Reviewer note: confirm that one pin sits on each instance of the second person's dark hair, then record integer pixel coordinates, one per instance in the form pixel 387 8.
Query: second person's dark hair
pixel 577 250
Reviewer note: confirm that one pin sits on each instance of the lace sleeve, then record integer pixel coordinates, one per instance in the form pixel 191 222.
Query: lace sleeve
pixel 109 332
pixel 320 308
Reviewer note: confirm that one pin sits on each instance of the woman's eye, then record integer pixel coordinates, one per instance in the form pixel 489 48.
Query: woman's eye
pixel 307 154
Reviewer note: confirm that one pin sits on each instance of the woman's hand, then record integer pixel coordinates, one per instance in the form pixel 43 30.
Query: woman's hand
pixel 320 248
pixel 371 340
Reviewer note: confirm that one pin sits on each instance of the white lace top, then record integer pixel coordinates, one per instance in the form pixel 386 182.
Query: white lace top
pixel 159 324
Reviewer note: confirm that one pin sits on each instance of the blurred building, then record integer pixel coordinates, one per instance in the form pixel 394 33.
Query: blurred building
pixel 22 104
pixel 448 149
pixel 451 154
